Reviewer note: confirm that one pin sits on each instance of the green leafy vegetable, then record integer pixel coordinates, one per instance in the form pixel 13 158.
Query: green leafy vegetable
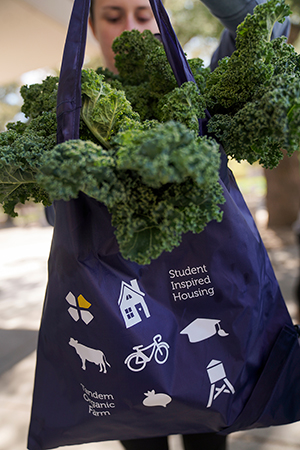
pixel 236 79
pixel 139 151
pixel 145 74
pixel 173 189
pixel 104 109
pixel 40 97
pixel 183 104
pixel 254 94
pixel 78 165
pixel 161 182
pixel 21 148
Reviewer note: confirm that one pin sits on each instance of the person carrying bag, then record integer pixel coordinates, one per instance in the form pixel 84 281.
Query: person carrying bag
pixel 198 341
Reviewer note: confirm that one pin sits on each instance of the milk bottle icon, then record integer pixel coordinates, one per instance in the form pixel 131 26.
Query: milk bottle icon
pixel 217 375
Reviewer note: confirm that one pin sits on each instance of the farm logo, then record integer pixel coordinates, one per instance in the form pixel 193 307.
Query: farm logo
pixel 153 399
pixel 99 404
pixel 78 308
pixel 132 304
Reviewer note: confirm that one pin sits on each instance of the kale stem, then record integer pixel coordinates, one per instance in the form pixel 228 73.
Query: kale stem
pixel 290 111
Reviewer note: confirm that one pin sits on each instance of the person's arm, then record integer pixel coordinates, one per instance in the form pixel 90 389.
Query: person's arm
pixel 231 13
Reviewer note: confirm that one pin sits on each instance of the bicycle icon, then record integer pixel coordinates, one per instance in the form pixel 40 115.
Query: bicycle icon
pixel 138 360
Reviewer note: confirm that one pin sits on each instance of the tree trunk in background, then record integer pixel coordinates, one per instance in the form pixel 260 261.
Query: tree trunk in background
pixel 283 192
pixel 283 183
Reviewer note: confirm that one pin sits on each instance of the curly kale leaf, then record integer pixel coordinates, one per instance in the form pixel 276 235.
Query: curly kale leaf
pixel 168 153
pixel 161 76
pixel 160 181
pixel 183 104
pixel 21 148
pixel 260 130
pixel 110 78
pixel 40 97
pixel 146 77
pixel 19 160
pixel 17 186
pixel 144 71
pixel 153 220
pixel 131 49
pixel 104 109
pixel 260 24
pixel 236 79
pixel 199 72
pixel 141 100
pixel 254 94
pixel 77 165
pixel 171 187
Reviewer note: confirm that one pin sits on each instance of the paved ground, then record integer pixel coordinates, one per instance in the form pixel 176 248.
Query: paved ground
pixel 23 274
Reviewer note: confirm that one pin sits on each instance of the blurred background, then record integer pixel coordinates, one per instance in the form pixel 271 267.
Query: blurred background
pixel 32 36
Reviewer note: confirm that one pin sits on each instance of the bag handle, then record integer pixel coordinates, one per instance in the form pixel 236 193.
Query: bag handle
pixel 174 52
pixel 69 88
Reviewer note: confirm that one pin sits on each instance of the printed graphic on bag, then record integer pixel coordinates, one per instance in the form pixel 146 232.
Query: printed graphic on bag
pixel 78 308
pixel 153 399
pixel 191 282
pixel 201 329
pixel 217 374
pixel 99 405
pixel 138 360
pixel 89 354
pixel 132 304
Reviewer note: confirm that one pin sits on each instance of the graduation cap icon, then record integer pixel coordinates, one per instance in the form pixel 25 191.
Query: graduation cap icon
pixel 201 329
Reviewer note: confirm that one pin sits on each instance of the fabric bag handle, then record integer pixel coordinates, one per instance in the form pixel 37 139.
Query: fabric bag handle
pixel 69 87
pixel 174 51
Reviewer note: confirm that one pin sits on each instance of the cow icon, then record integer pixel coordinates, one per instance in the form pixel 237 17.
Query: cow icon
pixel 89 354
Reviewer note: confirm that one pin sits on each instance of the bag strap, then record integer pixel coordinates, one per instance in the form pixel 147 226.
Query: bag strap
pixel 174 52
pixel 69 88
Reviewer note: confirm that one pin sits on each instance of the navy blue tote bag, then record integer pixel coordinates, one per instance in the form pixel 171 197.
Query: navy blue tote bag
pixel 198 341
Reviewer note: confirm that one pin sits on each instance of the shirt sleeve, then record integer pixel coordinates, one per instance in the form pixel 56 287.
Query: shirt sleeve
pixel 231 13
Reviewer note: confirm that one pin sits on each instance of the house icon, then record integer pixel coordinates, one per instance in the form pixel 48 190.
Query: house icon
pixel 132 303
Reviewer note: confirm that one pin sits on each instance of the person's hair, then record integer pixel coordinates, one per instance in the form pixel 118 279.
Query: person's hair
pixel 91 11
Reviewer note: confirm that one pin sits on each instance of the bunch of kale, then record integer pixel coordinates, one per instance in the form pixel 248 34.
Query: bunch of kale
pixel 139 151
pixel 156 176
pixel 254 96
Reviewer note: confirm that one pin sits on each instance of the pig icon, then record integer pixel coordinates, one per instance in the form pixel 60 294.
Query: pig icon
pixel 153 399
